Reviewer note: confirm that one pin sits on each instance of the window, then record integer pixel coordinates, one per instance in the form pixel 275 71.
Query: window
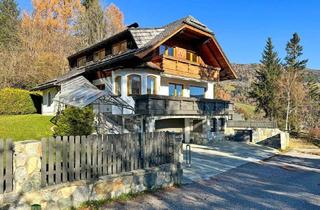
pixel 175 89
pixel 119 47
pixel 197 92
pixel 99 55
pixel 214 125
pixel 101 86
pixel 134 84
pixel 151 85
pixel 222 123
pixel 117 86
pixel 81 61
pixel 49 99
pixel 192 56
pixel 166 50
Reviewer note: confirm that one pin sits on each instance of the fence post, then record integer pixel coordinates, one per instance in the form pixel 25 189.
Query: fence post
pixel 142 150
pixel 176 142
pixel 27 166
pixel 177 145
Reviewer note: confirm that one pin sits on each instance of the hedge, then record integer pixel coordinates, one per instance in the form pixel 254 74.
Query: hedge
pixel 18 101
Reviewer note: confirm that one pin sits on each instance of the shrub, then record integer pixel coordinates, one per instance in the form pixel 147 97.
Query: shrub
pixel 74 121
pixel 18 101
pixel 314 133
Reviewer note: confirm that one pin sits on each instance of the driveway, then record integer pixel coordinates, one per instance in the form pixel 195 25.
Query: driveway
pixel 290 181
pixel 209 161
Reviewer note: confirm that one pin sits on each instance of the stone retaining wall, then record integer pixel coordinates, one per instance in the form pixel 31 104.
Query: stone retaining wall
pixel 28 191
pixel 272 137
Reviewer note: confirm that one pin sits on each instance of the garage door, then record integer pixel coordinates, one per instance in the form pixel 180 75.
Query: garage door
pixel 243 135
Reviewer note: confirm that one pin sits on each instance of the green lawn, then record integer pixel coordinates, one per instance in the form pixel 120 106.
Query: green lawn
pixel 25 127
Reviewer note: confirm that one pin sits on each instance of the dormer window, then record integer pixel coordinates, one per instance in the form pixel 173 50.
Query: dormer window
pixel 119 47
pixel 81 61
pixel 99 55
pixel 166 50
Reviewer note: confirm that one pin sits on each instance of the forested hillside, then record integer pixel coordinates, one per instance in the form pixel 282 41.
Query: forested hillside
pixel 34 45
pixel 238 89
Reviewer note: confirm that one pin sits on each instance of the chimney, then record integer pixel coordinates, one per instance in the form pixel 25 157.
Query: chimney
pixel 133 25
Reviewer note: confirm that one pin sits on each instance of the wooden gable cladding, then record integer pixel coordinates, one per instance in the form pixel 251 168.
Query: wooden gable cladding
pixel 204 43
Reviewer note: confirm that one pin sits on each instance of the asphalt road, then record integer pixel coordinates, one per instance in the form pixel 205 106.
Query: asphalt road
pixel 290 181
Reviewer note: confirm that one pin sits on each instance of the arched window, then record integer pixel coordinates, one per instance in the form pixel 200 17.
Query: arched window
pixel 151 85
pixel 117 86
pixel 134 85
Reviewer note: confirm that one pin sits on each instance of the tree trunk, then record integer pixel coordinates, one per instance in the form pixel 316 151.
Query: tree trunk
pixel 288 109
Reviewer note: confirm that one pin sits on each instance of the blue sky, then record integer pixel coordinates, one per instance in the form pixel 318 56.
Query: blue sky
pixel 241 26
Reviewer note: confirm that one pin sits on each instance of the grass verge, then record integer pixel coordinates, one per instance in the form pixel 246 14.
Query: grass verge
pixel 98 204
pixel 25 127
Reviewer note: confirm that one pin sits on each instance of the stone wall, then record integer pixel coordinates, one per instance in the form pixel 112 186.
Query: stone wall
pixel 272 137
pixel 28 191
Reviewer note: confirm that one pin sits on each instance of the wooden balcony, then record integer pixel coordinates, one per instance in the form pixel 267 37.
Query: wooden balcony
pixel 171 105
pixel 185 68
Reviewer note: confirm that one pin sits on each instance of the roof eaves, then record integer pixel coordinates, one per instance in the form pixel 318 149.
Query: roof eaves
pixel 46 85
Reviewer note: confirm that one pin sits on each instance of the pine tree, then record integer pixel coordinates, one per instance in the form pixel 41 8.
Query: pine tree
pixel 96 24
pixel 294 68
pixel 264 89
pixel 9 15
pixel 91 24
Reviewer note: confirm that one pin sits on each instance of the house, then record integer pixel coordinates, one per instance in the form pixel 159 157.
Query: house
pixel 166 74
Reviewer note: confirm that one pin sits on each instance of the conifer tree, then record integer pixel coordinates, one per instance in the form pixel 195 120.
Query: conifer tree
pixel 264 89
pixel 9 14
pixel 96 24
pixel 91 25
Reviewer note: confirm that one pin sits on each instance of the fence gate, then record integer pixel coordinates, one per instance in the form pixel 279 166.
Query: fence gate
pixel 6 166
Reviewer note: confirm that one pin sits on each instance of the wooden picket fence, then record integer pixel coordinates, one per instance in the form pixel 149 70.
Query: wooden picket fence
pixel 6 165
pixel 71 158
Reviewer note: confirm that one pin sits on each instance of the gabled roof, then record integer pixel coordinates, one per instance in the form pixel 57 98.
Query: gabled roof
pixel 142 36
pixel 145 37
pixel 167 30
pixel 175 27
pixel 145 40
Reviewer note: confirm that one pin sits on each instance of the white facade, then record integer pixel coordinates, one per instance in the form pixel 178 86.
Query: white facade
pixel 162 85
pixel 162 88
pixel 49 107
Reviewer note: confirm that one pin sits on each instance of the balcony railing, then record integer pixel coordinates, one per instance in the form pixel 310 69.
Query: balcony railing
pixel 172 105
pixel 182 67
